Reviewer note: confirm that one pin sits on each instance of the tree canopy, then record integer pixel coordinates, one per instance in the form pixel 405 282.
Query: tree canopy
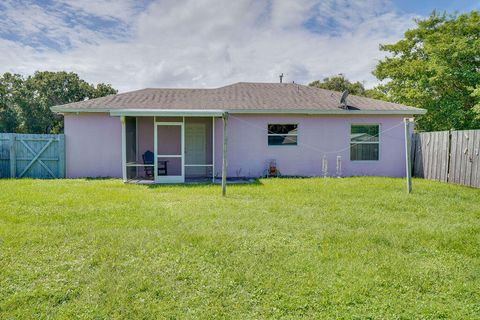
pixel 339 83
pixel 436 66
pixel 25 101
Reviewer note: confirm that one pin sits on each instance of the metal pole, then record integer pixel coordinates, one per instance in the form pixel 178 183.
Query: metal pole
pixel 213 149
pixel 224 163
pixel 124 149
pixel 408 164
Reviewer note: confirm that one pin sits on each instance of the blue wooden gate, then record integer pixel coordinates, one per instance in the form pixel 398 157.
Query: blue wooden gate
pixel 32 155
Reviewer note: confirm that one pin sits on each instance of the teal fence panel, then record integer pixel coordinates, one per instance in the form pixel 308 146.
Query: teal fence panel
pixel 5 155
pixel 32 156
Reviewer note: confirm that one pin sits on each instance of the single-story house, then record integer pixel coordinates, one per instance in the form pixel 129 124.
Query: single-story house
pixel 177 135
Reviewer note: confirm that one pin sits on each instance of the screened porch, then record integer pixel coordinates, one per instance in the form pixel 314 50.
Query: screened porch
pixel 168 149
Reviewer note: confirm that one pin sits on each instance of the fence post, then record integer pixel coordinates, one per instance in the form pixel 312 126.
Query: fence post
pixel 13 157
pixel 413 148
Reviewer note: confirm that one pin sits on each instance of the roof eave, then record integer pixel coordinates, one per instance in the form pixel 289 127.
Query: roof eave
pixel 171 113
pixel 63 109
pixel 333 112
pixel 216 112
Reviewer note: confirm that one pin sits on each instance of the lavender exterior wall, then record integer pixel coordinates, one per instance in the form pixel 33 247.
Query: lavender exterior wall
pixel 249 153
pixel 93 145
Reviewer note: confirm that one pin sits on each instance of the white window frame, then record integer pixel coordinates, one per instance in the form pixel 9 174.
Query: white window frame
pixel 364 142
pixel 282 135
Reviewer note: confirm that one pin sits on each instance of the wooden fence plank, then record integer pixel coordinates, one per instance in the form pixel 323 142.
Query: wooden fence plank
pixel 440 154
pixel 417 156
pixel 448 156
pixel 412 149
pixel 421 156
pixel 434 148
pixel 463 157
pixel 475 159
pixel 446 152
pixel 428 156
pixel 453 146
pixel 468 158
pixel 467 168
pixel 454 168
pixel 460 158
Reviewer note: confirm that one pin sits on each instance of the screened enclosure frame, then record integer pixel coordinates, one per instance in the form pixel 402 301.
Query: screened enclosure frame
pixel 197 148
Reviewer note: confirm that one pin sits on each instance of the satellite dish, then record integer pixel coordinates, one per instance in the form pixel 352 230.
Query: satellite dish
pixel 343 99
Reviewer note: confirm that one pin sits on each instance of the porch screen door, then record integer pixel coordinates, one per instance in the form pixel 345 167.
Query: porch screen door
pixel 169 152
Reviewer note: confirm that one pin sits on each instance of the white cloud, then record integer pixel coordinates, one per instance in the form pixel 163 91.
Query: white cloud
pixel 204 43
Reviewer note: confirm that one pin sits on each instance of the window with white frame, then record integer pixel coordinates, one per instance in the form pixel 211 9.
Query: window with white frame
pixel 282 134
pixel 364 142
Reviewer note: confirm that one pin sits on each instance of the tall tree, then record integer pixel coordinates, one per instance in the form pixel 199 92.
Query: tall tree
pixel 25 102
pixel 339 83
pixel 10 87
pixel 436 66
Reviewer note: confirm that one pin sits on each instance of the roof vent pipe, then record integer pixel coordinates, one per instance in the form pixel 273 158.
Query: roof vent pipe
pixel 281 78
pixel 343 100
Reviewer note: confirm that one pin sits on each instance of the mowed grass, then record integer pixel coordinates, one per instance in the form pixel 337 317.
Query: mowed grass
pixel 280 248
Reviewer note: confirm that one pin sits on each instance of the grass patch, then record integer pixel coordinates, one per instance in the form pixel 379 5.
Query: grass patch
pixel 282 248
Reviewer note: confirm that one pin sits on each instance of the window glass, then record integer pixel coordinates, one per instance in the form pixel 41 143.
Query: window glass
pixel 364 142
pixel 282 134
pixel 364 152
pixel 365 133
pixel 282 129
pixel 282 140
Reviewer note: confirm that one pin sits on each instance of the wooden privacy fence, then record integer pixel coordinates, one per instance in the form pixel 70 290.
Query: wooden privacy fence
pixel 449 156
pixel 32 155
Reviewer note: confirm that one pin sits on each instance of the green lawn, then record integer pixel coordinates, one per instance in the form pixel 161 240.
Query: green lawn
pixel 281 248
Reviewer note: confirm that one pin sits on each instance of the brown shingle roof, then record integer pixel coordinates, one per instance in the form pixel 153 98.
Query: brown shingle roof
pixel 241 96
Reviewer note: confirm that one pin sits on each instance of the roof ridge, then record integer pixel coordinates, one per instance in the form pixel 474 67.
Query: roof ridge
pixel 179 89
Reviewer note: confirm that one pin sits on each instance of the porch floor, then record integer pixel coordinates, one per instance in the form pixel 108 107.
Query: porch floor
pixel 198 181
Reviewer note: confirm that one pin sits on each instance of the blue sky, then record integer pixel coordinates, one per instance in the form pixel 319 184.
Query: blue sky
pixel 425 7
pixel 205 43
